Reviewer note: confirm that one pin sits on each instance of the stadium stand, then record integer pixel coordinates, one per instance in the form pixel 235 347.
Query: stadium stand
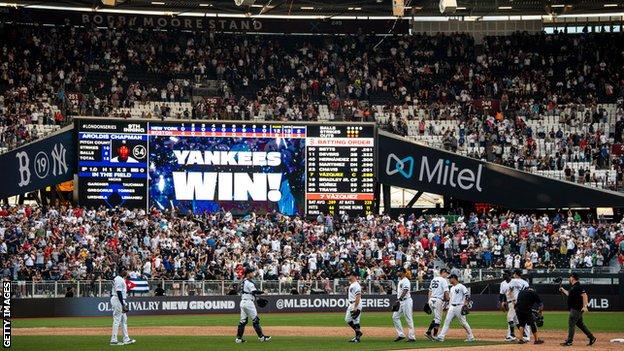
pixel 557 98
pixel 65 243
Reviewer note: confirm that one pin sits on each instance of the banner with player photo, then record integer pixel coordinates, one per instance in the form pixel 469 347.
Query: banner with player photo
pixel 111 163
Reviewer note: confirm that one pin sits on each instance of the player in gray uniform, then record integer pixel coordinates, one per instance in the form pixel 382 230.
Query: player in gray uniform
pixel 504 300
pixel 406 308
pixel 517 284
pixel 459 297
pixel 354 309
pixel 438 296
pixel 248 308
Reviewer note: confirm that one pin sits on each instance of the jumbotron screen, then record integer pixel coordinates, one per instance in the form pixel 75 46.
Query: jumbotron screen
pixel 291 168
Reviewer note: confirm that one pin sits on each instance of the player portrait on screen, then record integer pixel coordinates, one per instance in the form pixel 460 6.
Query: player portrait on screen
pixel 122 153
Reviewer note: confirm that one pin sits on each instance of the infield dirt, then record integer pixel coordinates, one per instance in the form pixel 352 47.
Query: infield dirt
pixel 552 338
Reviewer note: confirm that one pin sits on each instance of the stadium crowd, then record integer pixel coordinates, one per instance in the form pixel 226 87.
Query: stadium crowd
pixel 71 243
pixel 49 74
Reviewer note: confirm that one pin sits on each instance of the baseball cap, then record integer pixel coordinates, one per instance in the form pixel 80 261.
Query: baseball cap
pixel 453 276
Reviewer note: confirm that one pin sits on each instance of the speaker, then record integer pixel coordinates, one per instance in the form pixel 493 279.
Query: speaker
pixel 448 6
pixel 398 8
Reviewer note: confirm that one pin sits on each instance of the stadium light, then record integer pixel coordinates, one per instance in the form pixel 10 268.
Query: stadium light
pixel 610 5
pixel 504 7
pixel 448 6
pixel 244 2
pixel 157 3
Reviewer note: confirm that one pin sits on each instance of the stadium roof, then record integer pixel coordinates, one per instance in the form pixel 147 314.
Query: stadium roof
pixel 349 7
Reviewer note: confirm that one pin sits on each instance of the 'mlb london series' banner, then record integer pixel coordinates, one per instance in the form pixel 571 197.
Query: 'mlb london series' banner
pixel 405 164
pixel 167 305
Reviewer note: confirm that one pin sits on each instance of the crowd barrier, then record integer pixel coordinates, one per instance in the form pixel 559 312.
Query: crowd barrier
pixel 171 305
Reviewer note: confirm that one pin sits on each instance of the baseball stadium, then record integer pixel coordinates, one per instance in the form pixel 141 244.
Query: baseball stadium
pixel 312 175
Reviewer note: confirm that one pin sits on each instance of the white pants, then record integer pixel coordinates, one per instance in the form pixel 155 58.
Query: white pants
pixel 511 313
pixel 405 310
pixel 437 308
pixel 119 318
pixel 247 310
pixel 348 317
pixel 455 312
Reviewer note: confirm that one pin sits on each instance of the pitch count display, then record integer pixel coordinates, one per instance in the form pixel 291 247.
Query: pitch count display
pixel 241 167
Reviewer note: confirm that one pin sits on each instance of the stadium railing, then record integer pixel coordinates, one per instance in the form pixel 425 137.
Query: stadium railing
pixel 102 288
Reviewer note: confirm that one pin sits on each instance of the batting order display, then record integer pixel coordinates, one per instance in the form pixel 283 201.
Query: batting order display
pixel 241 167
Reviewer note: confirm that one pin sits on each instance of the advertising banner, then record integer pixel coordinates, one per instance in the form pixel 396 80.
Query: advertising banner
pixel 42 163
pixel 164 305
pixel 405 164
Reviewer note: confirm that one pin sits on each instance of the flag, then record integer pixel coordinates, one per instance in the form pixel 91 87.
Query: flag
pixel 137 284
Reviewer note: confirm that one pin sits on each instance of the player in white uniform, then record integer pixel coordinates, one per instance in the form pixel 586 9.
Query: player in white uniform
pixel 248 308
pixel 406 307
pixel 517 284
pixel 120 308
pixel 505 298
pixel 459 297
pixel 438 296
pixel 354 309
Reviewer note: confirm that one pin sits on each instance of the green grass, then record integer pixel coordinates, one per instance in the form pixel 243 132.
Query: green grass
pixel 221 343
pixel 597 321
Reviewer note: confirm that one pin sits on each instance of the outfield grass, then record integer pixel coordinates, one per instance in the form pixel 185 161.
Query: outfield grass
pixel 221 343
pixel 597 321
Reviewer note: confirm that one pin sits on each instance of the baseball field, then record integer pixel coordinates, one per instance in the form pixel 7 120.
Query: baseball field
pixel 301 332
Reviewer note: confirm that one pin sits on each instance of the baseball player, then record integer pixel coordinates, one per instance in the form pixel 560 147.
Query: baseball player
pixel 459 300
pixel 248 308
pixel 354 310
pixel 515 285
pixel 438 296
pixel 120 308
pixel 506 304
pixel 406 305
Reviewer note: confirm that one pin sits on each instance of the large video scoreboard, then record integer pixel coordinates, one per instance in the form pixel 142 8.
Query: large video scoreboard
pixel 290 168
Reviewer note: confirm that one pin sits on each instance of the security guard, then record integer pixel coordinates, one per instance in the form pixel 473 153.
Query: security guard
pixel 577 304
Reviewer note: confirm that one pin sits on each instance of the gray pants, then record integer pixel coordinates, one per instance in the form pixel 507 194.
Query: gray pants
pixel 576 320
